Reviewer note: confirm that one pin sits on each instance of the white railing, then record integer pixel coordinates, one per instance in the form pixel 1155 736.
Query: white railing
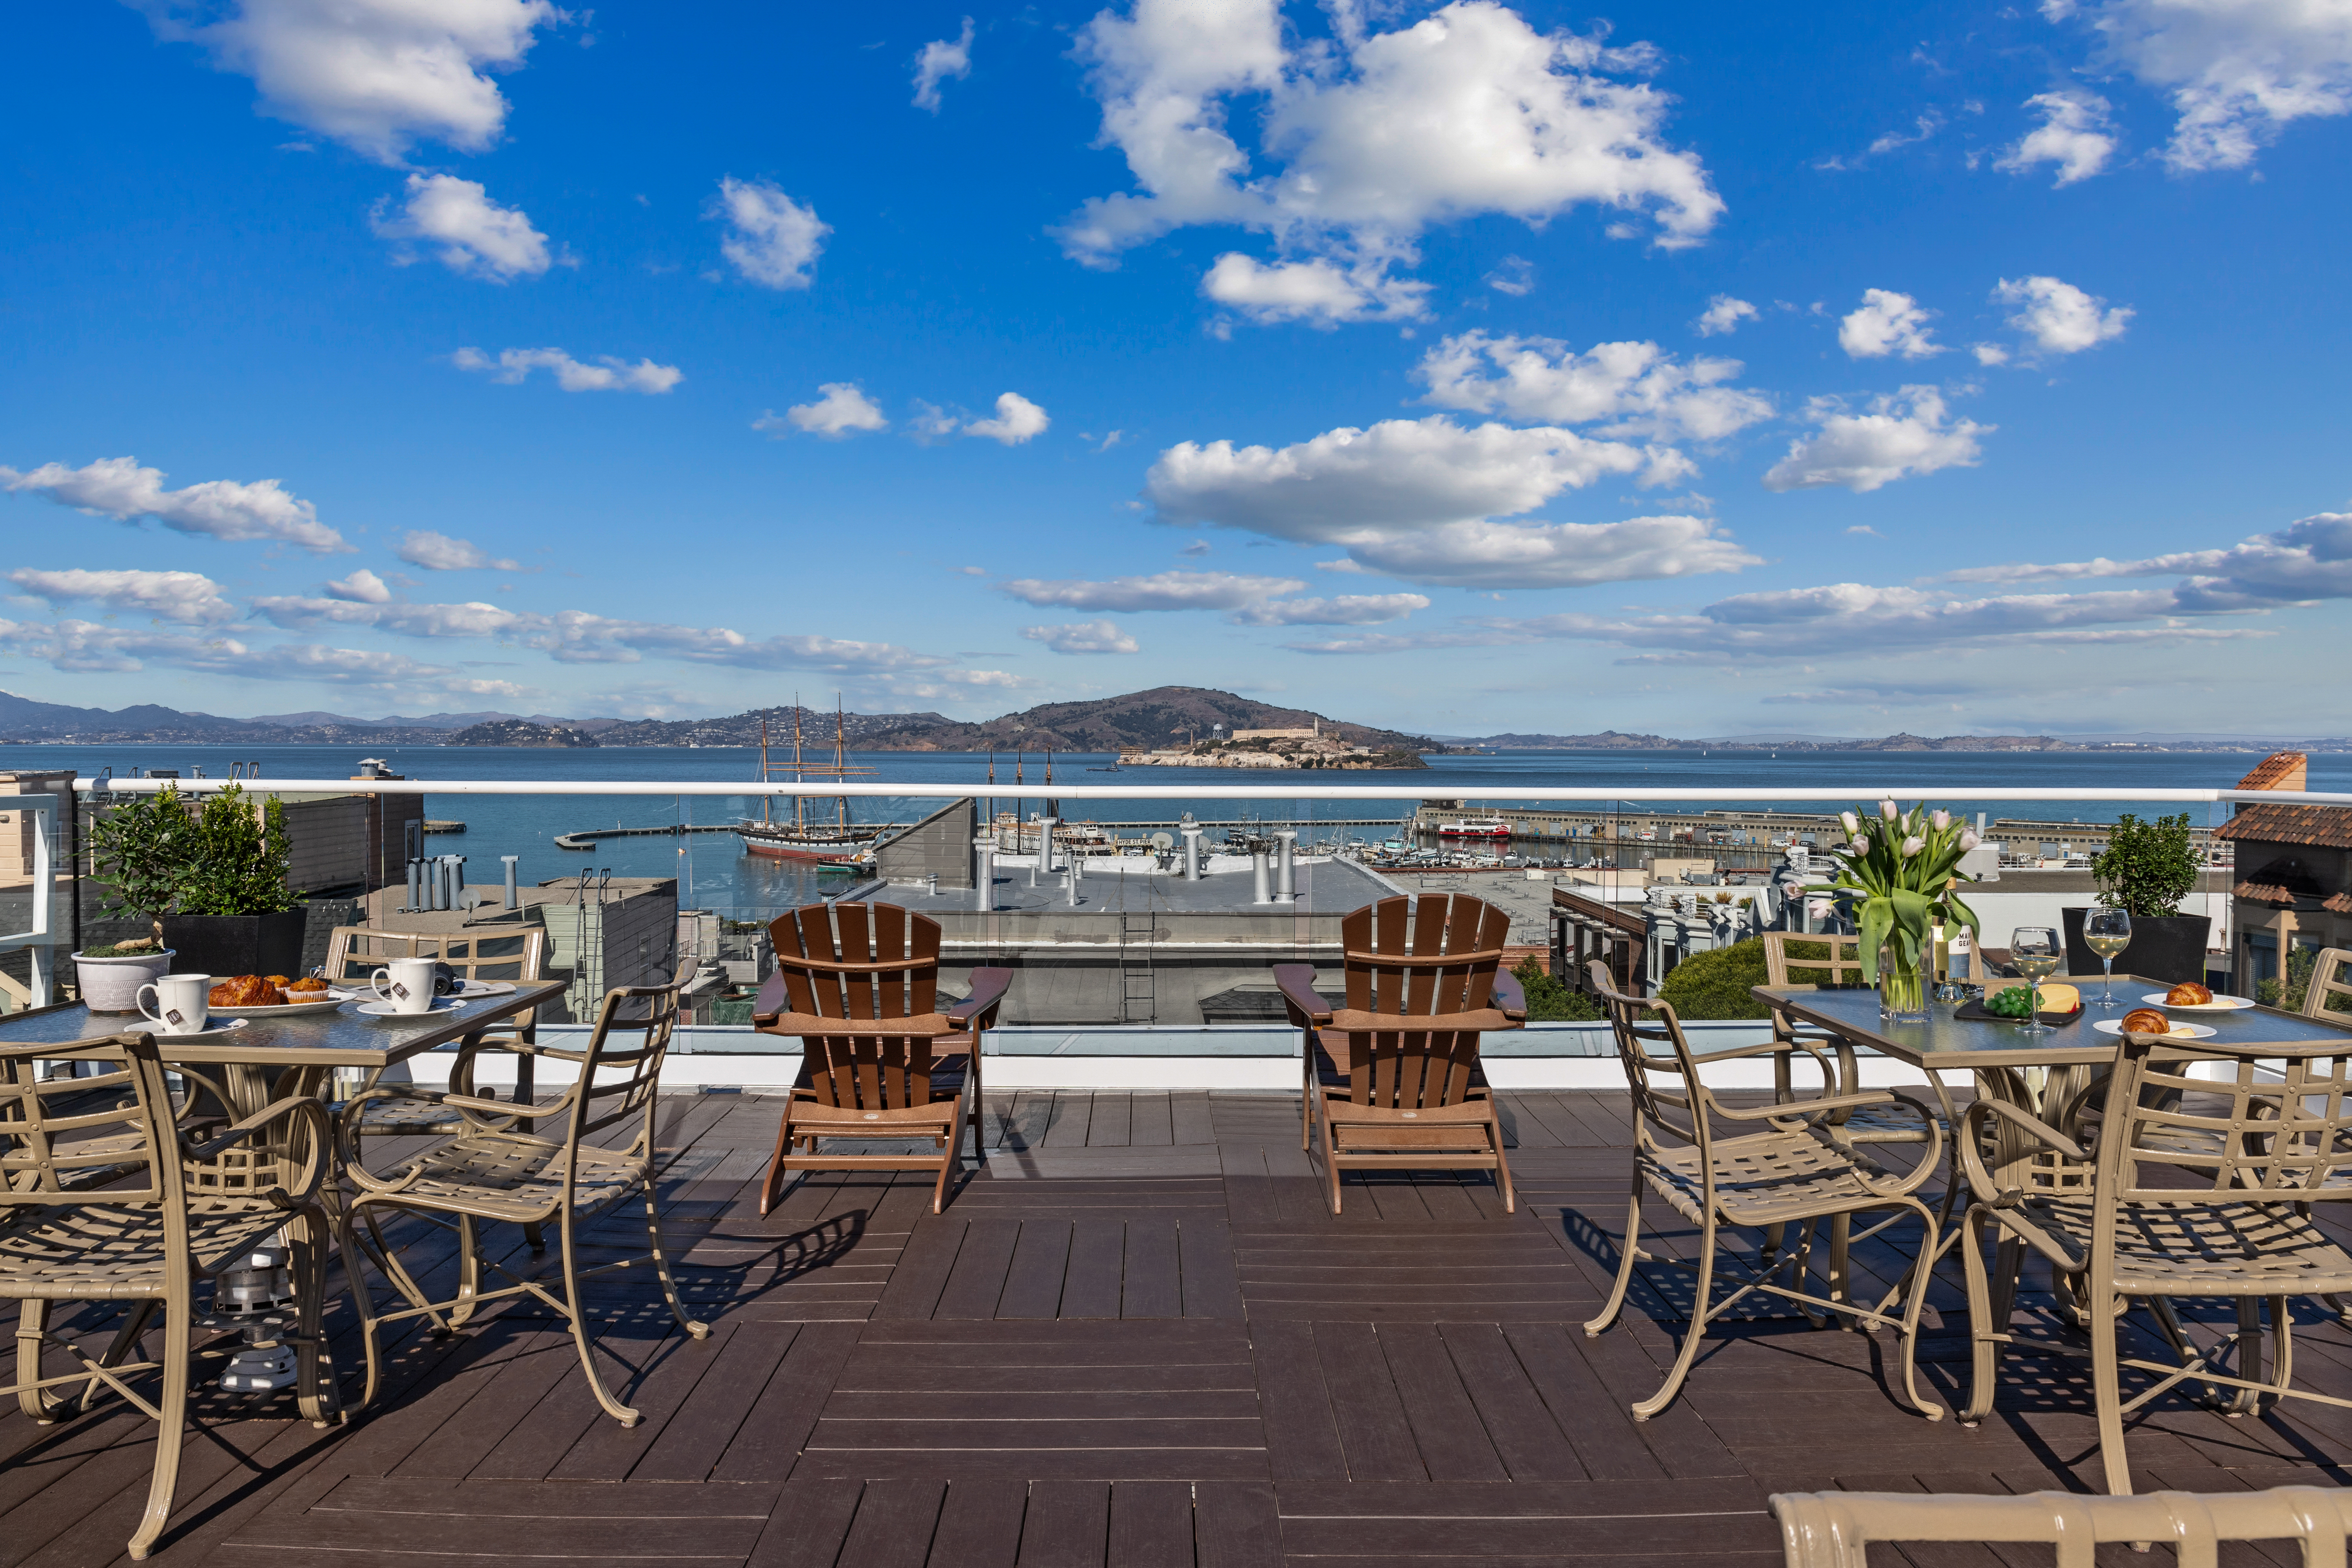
pixel 39 940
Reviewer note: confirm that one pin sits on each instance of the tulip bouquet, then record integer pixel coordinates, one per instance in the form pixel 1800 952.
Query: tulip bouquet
pixel 1905 866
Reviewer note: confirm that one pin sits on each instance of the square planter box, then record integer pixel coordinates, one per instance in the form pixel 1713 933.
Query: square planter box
pixel 2170 948
pixel 235 944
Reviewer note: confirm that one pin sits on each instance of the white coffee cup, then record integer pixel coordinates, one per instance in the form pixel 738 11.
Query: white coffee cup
pixel 406 983
pixel 183 1002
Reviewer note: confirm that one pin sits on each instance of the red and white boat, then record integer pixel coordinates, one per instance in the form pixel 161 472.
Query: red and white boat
pixel 1476 829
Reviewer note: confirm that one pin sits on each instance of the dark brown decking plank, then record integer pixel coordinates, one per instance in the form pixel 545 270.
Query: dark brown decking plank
pixel 1149 1125
pixel 1025 1121
pixel 1032 1284
pixel 977 1280
pixel 1444 1422
pixel 979 1527
pixel 1090 1288
pixel 1068 1525
pixel 1365 1407
pixel 1189 1120
pixel 1236 1526
pixel 950 1400
pixel 895 1520
pixel 1152 1283
pixel 1561 1521
pixel 89 1517
pixel 503 1521
pixel 1073 1109
pixel 1526 1439
pixel 1111 1124
pixel 569 1413
pixel 1302 1437
pixel 1151 1525
pixel 923 1269
pixel 809 1523
pixel 1598 1427
pixel 694 1441
pixel 767 1444
pixel 608 1451
pixel 520 1382
pixel 1212 1285
pixel 1249 1191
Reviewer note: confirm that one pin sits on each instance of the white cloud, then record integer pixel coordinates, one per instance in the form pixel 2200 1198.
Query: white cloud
pixel 1017 420
pixel 1341 610
pixel 1369 139
pixel 92 647
pixel 842 410
pixel 1906 434
pixel 2239 70
pixel 1084 636
pixel 439 553
pixel 361 587
pixel 376 75
pixel 475 236
pixel 1723 314
pixel 1923 127
pixel 941 60
pixel 1318 291
pixel 2076 135
pixel 1513 275
pixel 1350 487
pixel 2308 560
pixel 608 374
pixel 1161 591
pixel 2060 318
pixel 772 239
pixel 225 509
pixel 1638 388
pixel 189 598
pixel 1886 324
pixel 1488 554
pixel 1989 353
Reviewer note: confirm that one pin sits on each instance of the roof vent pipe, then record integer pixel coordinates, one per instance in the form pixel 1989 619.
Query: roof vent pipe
pixel 1286 885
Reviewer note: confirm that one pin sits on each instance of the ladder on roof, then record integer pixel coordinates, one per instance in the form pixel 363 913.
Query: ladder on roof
pixel 1140 997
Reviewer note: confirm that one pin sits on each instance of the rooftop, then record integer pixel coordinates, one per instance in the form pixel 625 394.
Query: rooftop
pixel 1137 1337
pixel 2326 826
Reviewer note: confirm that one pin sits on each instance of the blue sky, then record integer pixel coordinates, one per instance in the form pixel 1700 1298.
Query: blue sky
pixel 1684 369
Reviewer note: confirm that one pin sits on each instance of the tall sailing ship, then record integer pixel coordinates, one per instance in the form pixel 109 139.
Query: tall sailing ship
pixel 839 845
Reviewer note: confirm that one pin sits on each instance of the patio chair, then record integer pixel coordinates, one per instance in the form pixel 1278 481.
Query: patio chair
pixel 1423 983
pixel 489 1169
pixel 859 984
pixel 1793 1172
pixel 103 1199
pixel 515 953
pixel 2329 997
pixel 1834 1530
pixel 2228 1216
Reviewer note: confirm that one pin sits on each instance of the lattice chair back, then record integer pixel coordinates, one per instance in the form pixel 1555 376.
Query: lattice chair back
pixel 1669 1102
pixel 620 1073
pixel 1432 964
pixel 2277 1122
pixel 2330 996
pixel 513 953
pixel 866 967
pixel 64 1136
pixel 1841 964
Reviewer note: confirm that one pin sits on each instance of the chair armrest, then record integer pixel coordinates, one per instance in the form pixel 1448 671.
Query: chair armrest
pixel 237 1132
pixel 771 1001
pixel 1298 985
pixel 1969 1136
pixel 1806 1107
pixel 1509 997
pixel 978 1009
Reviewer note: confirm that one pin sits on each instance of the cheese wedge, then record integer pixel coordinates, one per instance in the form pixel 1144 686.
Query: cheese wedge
pixel 2058 997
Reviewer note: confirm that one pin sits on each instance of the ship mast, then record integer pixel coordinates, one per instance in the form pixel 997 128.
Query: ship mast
pixel 764 796
pixel 841 759
pixel 800 803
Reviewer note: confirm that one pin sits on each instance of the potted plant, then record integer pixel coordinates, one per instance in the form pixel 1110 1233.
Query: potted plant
pixel 137 851
pixel 2145 870
pixel 1905 865
pixel 212 882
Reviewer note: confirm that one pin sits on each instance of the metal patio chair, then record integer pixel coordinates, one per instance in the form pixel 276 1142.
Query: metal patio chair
pixel 489 1169
pixel 514 954
pixel 1391 1074
pixel 859 984
pixel 102 1198
pixel 2242 1155
pixel 1834 1530
pixel 2331 983
pixel 1793 1172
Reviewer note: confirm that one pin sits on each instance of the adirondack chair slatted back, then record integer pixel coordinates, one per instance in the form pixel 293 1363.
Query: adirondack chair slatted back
pixel 1669 1102
pixel 866 964
pixel 63 1136
pixel 2330 996
pixel 620 1078
pixel 1826 959
pixel 2279 1122
pixel 1436 957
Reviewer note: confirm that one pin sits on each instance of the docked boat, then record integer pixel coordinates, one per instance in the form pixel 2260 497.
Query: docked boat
pixel 839 845
pixel 1476 828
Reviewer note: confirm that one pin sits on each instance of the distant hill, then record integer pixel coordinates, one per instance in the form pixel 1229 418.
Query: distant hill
pixel 521 733
pixel 743 729
pixel 1164 716
pixel 1610 740
pixel 316 719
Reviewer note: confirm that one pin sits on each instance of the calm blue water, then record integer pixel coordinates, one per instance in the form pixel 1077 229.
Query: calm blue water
pixel 712 872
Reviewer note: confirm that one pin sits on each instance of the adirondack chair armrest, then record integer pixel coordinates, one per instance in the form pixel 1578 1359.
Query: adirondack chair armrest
pixel 1509 997
pixel 978 1009
pixel 1297 981
pixel 771 1002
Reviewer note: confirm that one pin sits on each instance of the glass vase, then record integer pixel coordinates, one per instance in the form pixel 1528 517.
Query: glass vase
pixel 1901 988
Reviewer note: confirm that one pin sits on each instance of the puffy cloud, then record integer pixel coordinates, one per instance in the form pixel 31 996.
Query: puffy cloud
pixel 844 408
pixel 1341 610
pixel 1161 591
pixel 2060 318
pixel 1320 292
pixel 1638 388
pixel 475 236
pixel 772 239
pixel 225 509
pixel 188 597
pixel 439 553
pixel 1906 434
pixel 1723 314
pixel 1350 486
pixel 401 619
pixel 361 587
pixel 1017 420
pixel 1989 353
pixel 2076 133
pixel 1886 324
pixel 608 374
pixel 941 60
pixel 376 75
pixel 2307 560
pixel 1488 554
pixel 92 647
pixel 2239 70
pixel 1369 139
pixel 1084 636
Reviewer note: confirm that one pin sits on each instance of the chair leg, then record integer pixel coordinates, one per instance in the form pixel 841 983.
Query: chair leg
pixel 1841 1268
pixel 1330 1150
pixel 952 1159
pixel 578 1319
pixel 1625 1259
pixel 2106 1392
pixel 469 1270
pixel 1307 1094
pixel 1919 1278
pixel 315 1392
pixel 32 1331
pixel 2282 1346
pixel 1503 1169
pixel 1990 1303
pixel 776 1165
pixel 363 1303
pixel 661 1263
pixel 1701 1295
pixel 171 1432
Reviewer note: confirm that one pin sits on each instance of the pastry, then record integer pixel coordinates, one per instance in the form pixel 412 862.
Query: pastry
pixel 309 986
pixel 2146 1021
pixel 2187 993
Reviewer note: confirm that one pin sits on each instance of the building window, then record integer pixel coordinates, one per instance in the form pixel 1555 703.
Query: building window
pixel 2262 956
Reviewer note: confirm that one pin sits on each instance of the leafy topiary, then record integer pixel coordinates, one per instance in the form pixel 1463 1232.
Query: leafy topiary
pixel 240 861
pixel 1552 1000
pixel 2147 867
pixel 139 853
pixel 1716 984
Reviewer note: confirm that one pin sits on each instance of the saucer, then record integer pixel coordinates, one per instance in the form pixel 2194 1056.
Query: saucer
pixel 386 1010
pixel 214 1033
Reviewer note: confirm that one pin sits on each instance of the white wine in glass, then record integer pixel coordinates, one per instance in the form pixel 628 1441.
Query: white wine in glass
pixel 2107 932
pixel 2035 951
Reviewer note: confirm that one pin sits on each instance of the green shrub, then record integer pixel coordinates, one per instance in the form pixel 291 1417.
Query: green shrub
pixel 2289 994
pixel 2147 867
pixel 1552 1000
pixel 1716 984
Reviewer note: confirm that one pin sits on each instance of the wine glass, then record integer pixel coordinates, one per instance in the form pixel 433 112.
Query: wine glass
pixel 2107 932
pixel 2035 951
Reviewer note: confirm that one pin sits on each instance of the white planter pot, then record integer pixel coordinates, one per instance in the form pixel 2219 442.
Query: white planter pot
pixel 111 984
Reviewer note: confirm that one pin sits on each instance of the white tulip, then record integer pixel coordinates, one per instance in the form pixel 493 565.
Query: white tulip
pixel 1940 820
pixel 1913 844
pixel 1853 822
pixel 1968 839
pixel 1860 842
pixel 1886 809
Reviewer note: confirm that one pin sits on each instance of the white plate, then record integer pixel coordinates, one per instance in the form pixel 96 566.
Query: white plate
pixel 2179 1031
pixel 212 1034
pixel 2219 1003
pixel 386 1010
pixel 473 989
pixel 290 1010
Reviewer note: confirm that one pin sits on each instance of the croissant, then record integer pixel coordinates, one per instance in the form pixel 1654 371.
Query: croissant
pixel 2187 993
pixel 2146 1021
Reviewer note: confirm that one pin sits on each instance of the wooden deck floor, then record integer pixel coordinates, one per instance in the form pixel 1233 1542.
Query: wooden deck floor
pixel 1136 1340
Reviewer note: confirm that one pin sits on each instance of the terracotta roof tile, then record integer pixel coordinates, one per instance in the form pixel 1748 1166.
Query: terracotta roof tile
pixel 2280 770
pixel 2324 825
pixel 2340 904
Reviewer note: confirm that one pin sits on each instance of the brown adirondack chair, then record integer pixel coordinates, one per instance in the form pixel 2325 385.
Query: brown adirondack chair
pixel 1389 1074
pixel 859 984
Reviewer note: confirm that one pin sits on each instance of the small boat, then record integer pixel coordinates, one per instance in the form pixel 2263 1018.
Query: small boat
pixel 1476 828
